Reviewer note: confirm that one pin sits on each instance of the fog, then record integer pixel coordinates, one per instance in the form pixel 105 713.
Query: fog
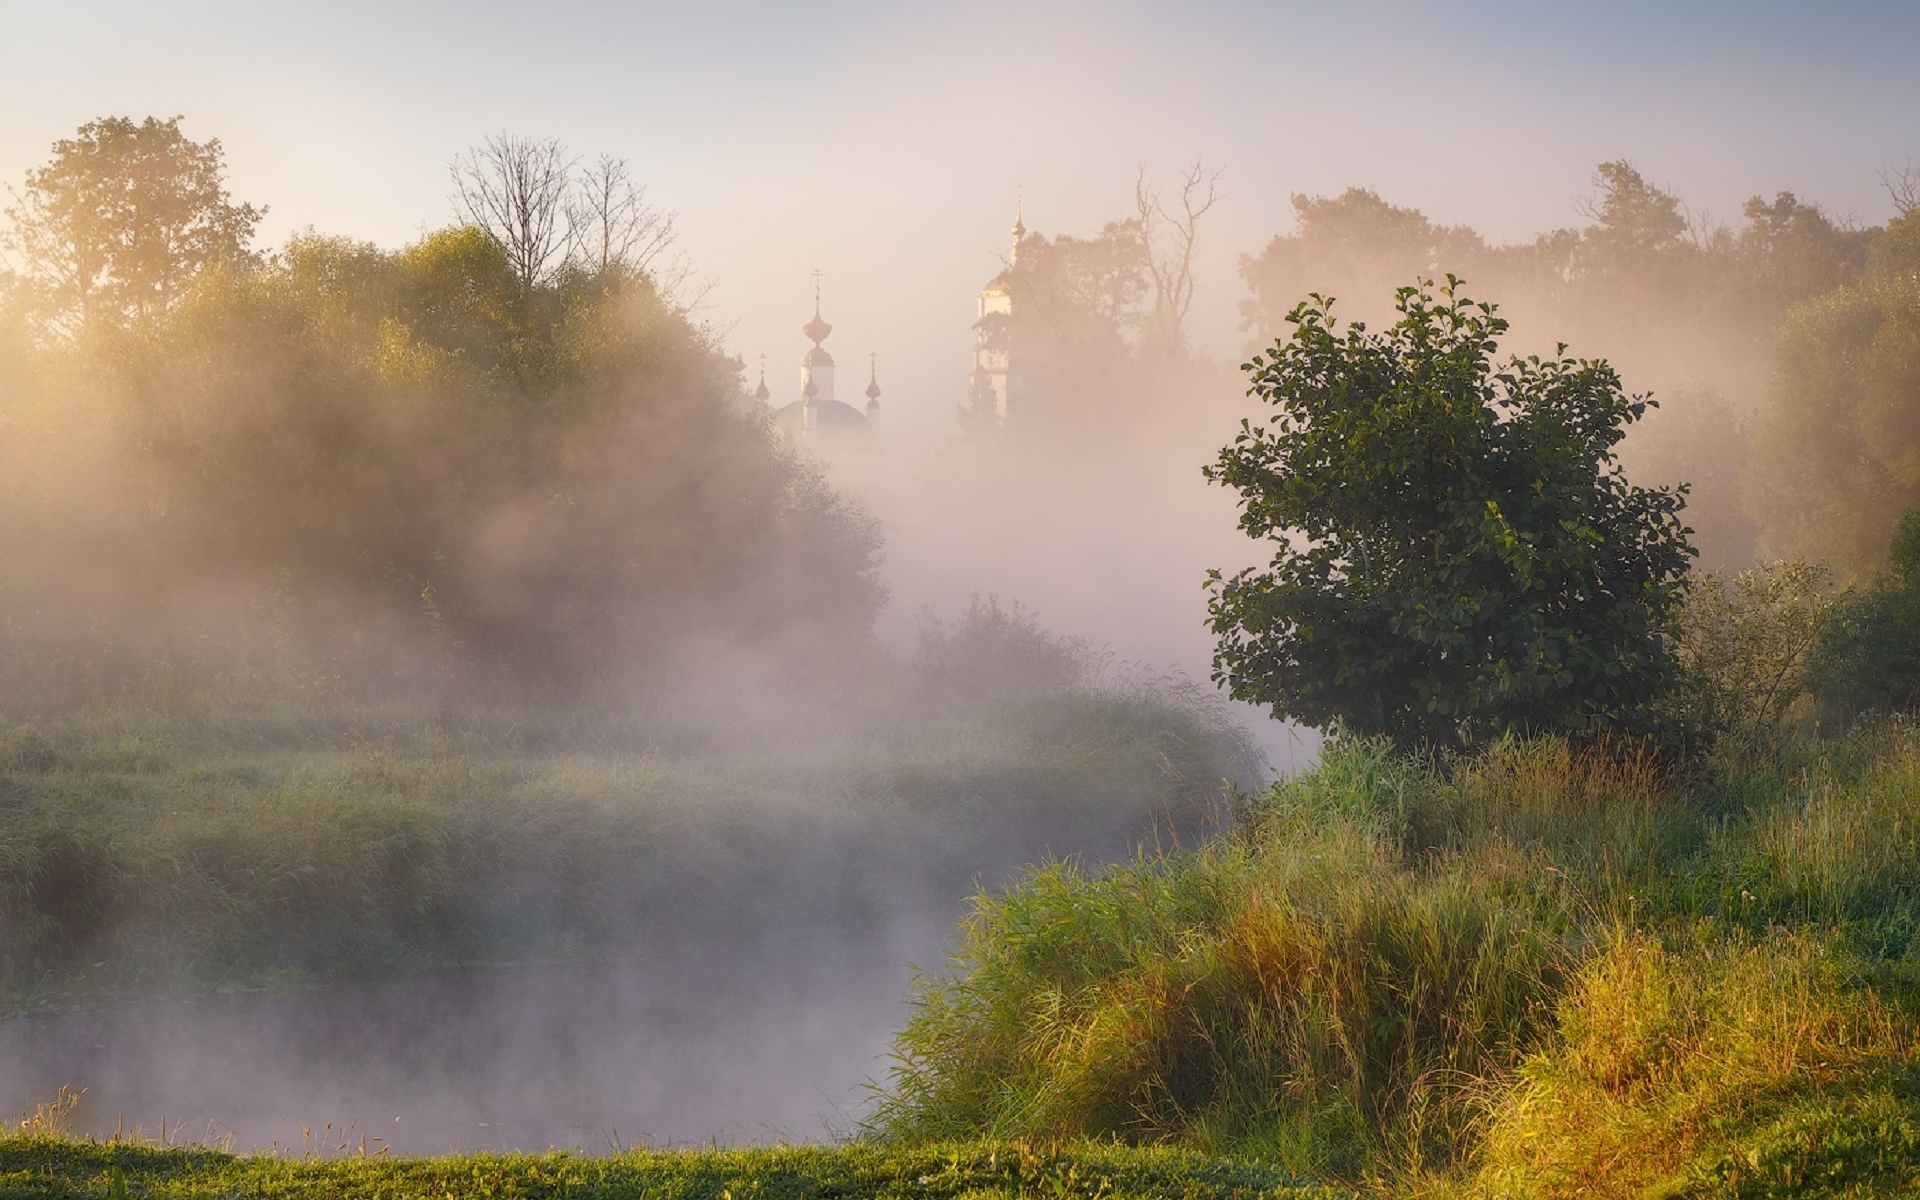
pixel 724 712
pixel 768 1043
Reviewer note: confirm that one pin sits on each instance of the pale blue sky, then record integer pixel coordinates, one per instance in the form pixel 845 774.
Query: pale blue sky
pixel 883 143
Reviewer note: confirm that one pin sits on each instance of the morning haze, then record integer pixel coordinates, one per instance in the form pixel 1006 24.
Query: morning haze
pixel 544 563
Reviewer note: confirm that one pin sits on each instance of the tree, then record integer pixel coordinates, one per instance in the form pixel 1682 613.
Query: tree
pixel 1866 658
pixel 1634 217
pixel 1353 244
pixel 1073 330
pixel 1744 645
pixel 122 220
pixel 1458 554
pixel 1168 237
pixel 517 189
pixel 610 225
pixel 1836 450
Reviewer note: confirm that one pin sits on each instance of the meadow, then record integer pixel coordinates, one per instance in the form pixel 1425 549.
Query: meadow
pixel 211 845
pixel 1539 972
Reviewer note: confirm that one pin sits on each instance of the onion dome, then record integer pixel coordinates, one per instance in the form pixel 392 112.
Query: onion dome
pixel 873 380
pixel 761 393
pixel 816 329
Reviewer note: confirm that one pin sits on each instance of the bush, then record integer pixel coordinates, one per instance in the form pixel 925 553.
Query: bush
pixel 1867 659
pixel 1743 646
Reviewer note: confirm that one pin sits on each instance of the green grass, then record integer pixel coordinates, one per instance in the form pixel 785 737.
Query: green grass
pixel 43 1165
pixel 228 846
pixel 1541 973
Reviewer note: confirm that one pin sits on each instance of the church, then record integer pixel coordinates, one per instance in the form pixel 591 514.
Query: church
pixel 993 388
pixel 818 420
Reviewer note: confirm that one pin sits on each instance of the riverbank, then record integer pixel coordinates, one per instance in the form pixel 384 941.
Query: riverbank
pixel 51 1166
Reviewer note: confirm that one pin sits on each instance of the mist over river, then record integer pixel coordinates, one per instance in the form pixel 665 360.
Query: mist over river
pixel 663 1047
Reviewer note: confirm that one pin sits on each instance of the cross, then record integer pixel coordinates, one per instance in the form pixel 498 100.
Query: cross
pixel 816 287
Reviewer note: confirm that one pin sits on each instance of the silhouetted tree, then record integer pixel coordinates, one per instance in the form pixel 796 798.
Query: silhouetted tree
pixel 121 221
pixel 517 189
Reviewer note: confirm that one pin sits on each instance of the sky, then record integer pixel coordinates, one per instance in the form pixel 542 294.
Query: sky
pixel 883 144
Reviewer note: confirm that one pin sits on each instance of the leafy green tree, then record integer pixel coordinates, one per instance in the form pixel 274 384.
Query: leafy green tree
pixel 1353 244
pixel 1867 657
pixel 1457 553
pixel 1836 451
pixel 122 220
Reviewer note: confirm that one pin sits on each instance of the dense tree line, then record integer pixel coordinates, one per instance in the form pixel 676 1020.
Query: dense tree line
pixel 341 466
pixel 1779 348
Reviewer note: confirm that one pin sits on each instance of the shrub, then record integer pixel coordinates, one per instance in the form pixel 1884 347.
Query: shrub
pixel 1743 646
pixel 1867 659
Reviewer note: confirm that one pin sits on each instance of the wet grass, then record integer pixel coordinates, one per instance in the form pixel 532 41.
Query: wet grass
pixel 44 1165
pixel 1539 973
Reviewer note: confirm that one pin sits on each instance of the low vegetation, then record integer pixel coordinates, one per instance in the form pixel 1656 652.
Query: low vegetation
pixel 214 846
pixel 1543 972
pixel 49 1166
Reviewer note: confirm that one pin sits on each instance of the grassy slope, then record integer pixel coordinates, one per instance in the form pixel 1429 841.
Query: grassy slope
pixel 48 1166
pixel 1548 975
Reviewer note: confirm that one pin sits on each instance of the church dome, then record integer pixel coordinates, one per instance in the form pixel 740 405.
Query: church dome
pixel 816 329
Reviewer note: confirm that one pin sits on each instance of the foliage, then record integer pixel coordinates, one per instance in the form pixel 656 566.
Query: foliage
pixel 1550 972
pixel 1284 994
pixel 1679 303
pixel 1458 554
pixel 224 841
pixel 1354 244
pixel 1744 644
pixel 42 1165
pixel 120 222
pixel 1867 659
pixel 1093 329
pixel 1643 268
pixel 1732 1069
pixel 354 470
pixel 1076 308
pixel 993 649
pixel 1836 452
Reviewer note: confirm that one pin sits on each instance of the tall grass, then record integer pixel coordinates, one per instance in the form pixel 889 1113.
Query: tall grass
pixel 143 848
pixel 1511 975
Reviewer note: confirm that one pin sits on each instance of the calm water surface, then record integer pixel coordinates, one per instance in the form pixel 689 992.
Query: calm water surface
pixel 679 1047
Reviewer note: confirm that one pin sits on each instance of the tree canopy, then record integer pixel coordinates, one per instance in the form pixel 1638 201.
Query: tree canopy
pixel 1456 552
pixel 377 469
pixel 1836 454
pixel 121 220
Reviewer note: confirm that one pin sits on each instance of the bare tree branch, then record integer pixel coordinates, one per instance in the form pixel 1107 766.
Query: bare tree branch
pixel 612 227
pixel 1903 184
pixel 516 189
pixel 1169 236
